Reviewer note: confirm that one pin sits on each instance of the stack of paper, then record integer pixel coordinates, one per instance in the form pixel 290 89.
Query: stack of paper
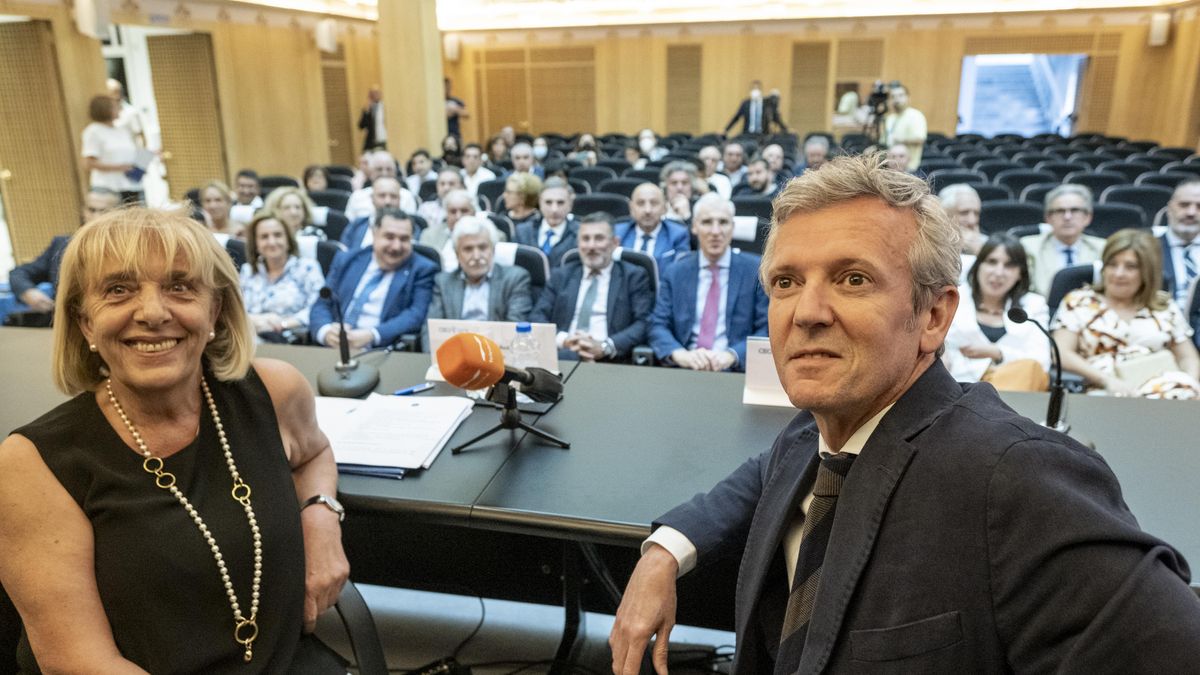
pixel 389 435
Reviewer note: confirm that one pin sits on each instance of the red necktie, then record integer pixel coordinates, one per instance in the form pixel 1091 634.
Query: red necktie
pixel 712 305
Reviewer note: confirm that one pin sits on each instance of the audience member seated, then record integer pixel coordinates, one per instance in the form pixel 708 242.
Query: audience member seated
pixel 733 162
pixel 316 178
pixel 585 150
pixel 1181 249
pixel 650 232
pixel 217 203
pixel 897 157
pixel 248 197
pixel 385 193
pixel 497 153
pixel 773 153
pixel 963 206
pixel 1069 212
pixel 35 283
pixel 383 290
pixel 601 306
pixel 434 210
pixel 420 169
pixel 711 300
pixel 473 171
pixel 361 203
pixel 759 182
pixel 522 196
pixel 816 153
pixel 451 152
pixel 648 146
pixel 555 233
pixel 521 156
pixel 983 344
pixel 362 174
pixel 1125 336
pixel 710 160
pixel 479 289
pixel 295 210
pixel 635 157
pixel 458 205
pixel 278 286
pixel 682 185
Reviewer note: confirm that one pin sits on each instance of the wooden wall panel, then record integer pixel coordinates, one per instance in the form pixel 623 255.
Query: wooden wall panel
pixel 684 76
pixel 507 103
pixel 339 124
pixel 809 98
pixel 361 46
pixel 562 98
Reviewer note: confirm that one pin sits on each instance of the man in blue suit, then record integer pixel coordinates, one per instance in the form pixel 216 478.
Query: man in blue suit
pixel 383 290
pixel 601 306
pixel 649 232
pixel 904 522
pixel 555 232
pixel 702 319
pixel 1181 247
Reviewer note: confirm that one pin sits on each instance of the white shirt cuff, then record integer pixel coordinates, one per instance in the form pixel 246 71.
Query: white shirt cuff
pixel 560 338
pixel 376 339
pixel 323 331
pixel 678 545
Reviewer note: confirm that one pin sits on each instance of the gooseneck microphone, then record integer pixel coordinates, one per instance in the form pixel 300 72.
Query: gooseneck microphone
pixel 1054 409
pixel 349 378
pixel 473 361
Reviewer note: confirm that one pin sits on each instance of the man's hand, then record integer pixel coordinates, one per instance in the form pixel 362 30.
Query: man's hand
pixel 647 608
pixel 692 359
pixel 681 206
pixel 718 361
pixel 325 564
pixel 333 336
pixel 37 300
pixel 589 348
pixel 360 338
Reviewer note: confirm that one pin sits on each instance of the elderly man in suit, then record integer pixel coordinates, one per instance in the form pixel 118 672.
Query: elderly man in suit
pixel 904 522
pixel 555 232
pixel 709 301
pixel 383 290
pixel 480 290
pixel 600 305
pixel 1181 248
pixel 1069 212
pixel 650 232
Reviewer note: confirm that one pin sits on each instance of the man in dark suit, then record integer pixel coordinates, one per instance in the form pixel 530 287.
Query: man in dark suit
pixel 383 290
pixel 1181 248
pixel 649 232
pixel 34 283
pixel 479 290
pixel 601 306
pixel 905 522
pixel 555 232
pixel 371 121
pixel 752 112
pixel 702 317
pixel 760 181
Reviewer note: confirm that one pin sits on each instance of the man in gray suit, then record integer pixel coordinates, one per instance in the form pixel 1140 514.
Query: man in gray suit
pixel 479 290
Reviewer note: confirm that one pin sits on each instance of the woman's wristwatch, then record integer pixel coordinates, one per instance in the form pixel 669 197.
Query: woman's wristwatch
pixel 329 503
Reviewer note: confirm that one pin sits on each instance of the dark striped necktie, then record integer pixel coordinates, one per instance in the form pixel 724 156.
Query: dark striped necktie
pixel 814 540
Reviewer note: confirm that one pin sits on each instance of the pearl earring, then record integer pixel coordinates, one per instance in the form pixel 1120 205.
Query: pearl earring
pixel 92 347
pixel 212 335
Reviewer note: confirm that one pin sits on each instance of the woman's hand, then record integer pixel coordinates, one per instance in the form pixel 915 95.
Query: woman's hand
pixel 1118 387
pixel 982 352
pixel 325 565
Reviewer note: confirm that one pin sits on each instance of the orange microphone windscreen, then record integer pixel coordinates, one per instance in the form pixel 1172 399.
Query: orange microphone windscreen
pixel 470 361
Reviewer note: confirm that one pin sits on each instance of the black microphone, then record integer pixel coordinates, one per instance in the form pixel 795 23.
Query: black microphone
pixel 1054 409
pixel 348 379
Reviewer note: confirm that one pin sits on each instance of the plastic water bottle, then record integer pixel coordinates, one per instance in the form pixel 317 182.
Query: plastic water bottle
pixel 523 352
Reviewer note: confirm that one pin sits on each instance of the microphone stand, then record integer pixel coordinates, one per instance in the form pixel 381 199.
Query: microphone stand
pixel 1054 419
pixel 510 418
pixel 349 378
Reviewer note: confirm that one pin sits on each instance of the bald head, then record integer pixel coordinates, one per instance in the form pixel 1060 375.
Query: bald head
pixel 647 205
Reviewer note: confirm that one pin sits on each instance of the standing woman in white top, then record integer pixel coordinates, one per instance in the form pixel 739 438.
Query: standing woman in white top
pixel 983 343
pixel 109 152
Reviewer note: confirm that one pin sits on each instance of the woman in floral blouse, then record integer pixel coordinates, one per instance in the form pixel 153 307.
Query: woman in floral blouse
pixel 1111 333
pixel 278 286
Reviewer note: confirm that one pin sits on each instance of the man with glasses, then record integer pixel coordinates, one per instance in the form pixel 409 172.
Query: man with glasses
pixel 1069 212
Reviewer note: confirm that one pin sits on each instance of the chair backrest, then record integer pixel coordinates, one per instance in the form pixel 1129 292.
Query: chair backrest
pixel 236 248
pixel 992 193
pixel 529 258
pixel 326 251
pixel 1061 168
pixel 1030 159
pixel 931 164
pixel 1168 179
pixel 1176 153
pixel 1131 170
pixel 1138 146
pixel 360 629
pixel 620 186
pixel 1150 198
pixel 1070 278
pixel 1156 161
pixel 340 170
pixel 1096 181
pixel 494 191
pixel 593 175
pixel 504 224
pixel 579 186
pixel 1019 179
pixel 991 167
pixel 972 158
pixel 997 216
pixel 1024 230
pixel 1092 159
pixel 335 224
pixel 434 255
pixel 269 183
pixel 340 183
pixel 614 205
pixel 1187 166
pixel 1108 218
pixel 1036 193
pixel 428 190
pixel 643 260
pixel 614 163
pixel 334 199
pixel 943 177
pixel 642 175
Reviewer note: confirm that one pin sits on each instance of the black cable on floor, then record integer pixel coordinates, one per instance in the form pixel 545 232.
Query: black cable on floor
pixel 479 625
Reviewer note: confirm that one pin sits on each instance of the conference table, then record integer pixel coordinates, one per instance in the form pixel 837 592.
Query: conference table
pixel 517 518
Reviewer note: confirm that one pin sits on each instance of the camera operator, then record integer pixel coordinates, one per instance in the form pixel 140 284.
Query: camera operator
pixel 904 124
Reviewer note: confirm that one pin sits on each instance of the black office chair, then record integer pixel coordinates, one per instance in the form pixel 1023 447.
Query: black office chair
pixel 620 186
pixel 193 196
pixel 431 253
pixel 1108 218
pixel 236 248
pixel 340 170
pixel 504 225
pixel 616 164
pixel 1036 193
pixel 943 177
pixel 1024 230
pixel 1096 181
pixel 1093 159
pixel 493 190
pixel 269 183
pixel 1175 153
pixel 1188 166
pixel 992 167
pixel 419 225
pixel 931 164
pixel 334 199
pixel 593 176
pixel 972 158
pixel 1061 168
pixel 335 224
pixel 998 216
pixel 1150 198
pixel 532 260
pixel 615 205
pixel 642 175
pixel 1019 179
pixel 1070 278
pixel 580 187
pixel 1167 179
pixel 1156 161
pixel 755 207
pixel 1131 170
pixel 427 192
pixel 1193 315
pixel 992 193
pixel 340 183
pixel 326 252
pixel 361 631
pixel 1030 159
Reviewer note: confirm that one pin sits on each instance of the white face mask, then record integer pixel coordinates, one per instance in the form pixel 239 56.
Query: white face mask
pixel 539 151
pixel 646 144
pixel 756 94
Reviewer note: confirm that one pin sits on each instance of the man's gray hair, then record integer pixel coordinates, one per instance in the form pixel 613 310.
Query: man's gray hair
pixel 459 195
pixel 556 182
pixel 470 226
pixel 817 142
pixel 933 258
pixel 522 146
pixel 1082 191
pixel 950 194
pixel 712 201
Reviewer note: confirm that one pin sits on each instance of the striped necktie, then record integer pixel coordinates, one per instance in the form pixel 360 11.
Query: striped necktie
pixel 1189 264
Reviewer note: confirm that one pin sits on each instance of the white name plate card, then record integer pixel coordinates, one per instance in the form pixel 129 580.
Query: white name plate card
pixel 762 381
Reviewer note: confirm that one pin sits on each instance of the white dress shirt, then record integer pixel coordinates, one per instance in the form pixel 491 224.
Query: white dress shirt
pixel 372 310
pixel 471 183
pixel 650 239
pixel 556 237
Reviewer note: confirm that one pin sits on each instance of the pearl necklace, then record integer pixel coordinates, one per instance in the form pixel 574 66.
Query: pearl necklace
pixel 245 629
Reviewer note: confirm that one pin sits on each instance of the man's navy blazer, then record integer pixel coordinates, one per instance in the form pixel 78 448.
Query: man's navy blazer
pixel 1170 283
pixel 352 236
pixel 407 299
pixel 527 233
pixel 673 238
pixel 41 270
pixel 967 539
pixel 675 309
pixel 630 300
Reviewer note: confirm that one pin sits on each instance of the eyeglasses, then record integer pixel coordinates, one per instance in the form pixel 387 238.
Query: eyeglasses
pixel 1074 211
